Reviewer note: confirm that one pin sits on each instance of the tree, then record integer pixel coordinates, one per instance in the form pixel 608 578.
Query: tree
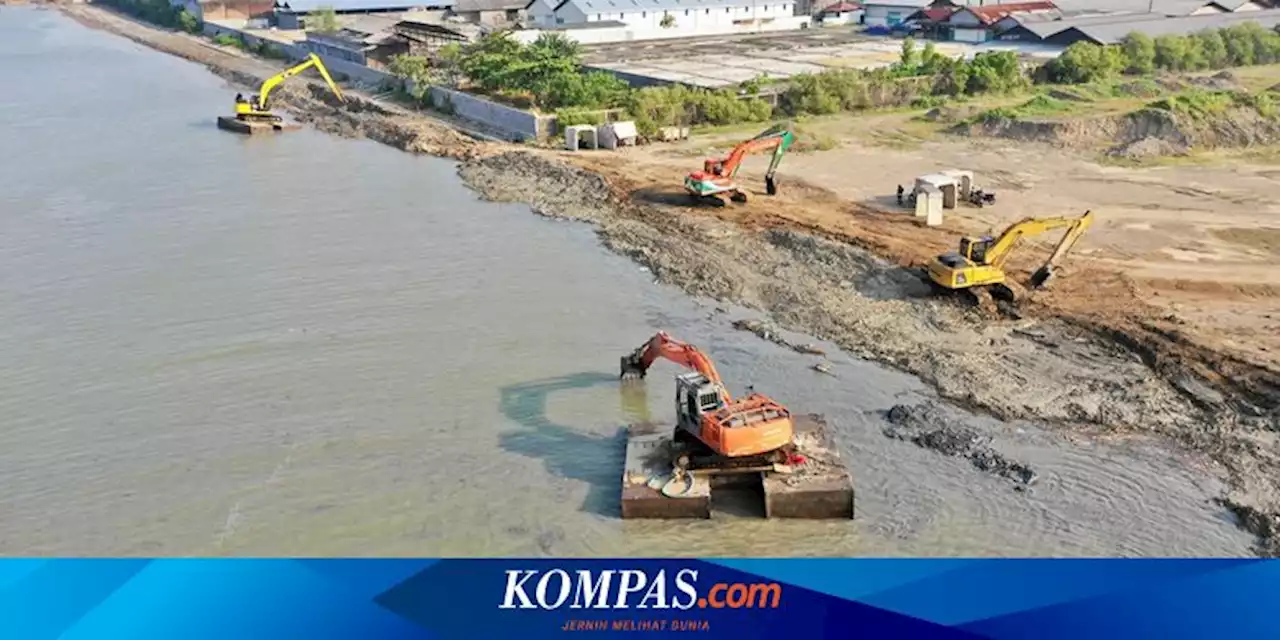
pixel 930 60
pixel 1212 49
pixel 416 69
pixel 489 61
pixel 908 58
pixel 1082 62
pixel 1139 52
pixel 324 20
pixel 1171 53
pixel 667 21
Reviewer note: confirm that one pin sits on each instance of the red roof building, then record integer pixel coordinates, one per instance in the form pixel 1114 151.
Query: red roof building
pixel 975 24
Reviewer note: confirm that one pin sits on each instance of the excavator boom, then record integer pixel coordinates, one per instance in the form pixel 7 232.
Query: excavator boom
pixel 1004 245
pixel 274 81
pixel 661 345
pixel 776 140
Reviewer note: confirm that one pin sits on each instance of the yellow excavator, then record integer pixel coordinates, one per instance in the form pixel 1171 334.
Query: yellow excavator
pixel 978 268
pixel 254 111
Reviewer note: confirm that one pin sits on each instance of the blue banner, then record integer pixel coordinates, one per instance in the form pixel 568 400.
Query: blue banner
pixel 192 599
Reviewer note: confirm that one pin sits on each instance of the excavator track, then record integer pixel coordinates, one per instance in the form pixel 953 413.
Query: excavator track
pixel 705 461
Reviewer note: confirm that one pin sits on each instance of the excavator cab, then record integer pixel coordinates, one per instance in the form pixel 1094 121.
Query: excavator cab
pixel 975 249
pixel 713 166
pixel 696 396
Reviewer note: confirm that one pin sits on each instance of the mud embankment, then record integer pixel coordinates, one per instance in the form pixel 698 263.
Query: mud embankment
pixel 309 102
pixel 1048 370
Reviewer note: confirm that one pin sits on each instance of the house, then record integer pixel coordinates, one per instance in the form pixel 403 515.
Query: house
pixel 978 24
pixel 292 14
pixel 1115 31
pixel 841 13
pixel 366 40
pixel 656 16
pixel 890 13
pixel 490 12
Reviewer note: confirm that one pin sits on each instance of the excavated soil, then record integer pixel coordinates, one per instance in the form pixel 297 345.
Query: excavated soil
pixel 1087 354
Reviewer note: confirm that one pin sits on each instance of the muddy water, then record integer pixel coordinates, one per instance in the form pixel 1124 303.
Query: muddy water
pixel 306 345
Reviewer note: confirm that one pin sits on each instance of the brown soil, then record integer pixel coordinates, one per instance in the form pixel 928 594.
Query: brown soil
pixel 1107 348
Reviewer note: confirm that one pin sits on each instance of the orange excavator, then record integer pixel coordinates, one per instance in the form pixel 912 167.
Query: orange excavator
pixel 717 175
pixel 716 430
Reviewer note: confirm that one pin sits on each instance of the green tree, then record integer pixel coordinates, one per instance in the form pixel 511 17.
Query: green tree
pixel 1213 50
pixel 595 90
pixel 1239 44
pixel 1171 53
pixel 324 20
pixel 1082 62
pixel 908 59
pixel 490 62
pixel 953 78
pixel 1139 52
pixel 995 72
pixel 416 69
pixel 930 60
pixel 667 21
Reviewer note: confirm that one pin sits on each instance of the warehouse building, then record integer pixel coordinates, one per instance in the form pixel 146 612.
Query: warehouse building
pixel 293 14
pixel 1114 32
pixel 710 16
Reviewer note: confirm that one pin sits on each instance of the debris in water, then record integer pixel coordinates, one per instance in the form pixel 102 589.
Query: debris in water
pixel 767 331
pixel 823 367
pixel 923 426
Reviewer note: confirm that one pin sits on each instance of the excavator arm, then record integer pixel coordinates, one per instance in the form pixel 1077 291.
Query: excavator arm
pixel 1003 247
pixel 274 81
pixel 1064 247
pixel 776 140
pixel 661 345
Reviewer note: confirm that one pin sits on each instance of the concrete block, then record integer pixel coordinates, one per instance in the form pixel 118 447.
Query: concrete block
pixel 580 136
pixel 934 217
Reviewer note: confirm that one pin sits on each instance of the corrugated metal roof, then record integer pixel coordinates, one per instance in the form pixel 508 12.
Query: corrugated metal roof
pixel 1114 32
pixel 992 13
pixel 1046 28
pixel 910 4
pixel 464 6
pixel 611 6
pixel 1167 7
pixel 309 6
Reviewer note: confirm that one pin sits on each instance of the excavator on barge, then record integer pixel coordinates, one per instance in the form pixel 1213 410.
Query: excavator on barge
pixel 717 176
pixel 715 431
pixel 253 113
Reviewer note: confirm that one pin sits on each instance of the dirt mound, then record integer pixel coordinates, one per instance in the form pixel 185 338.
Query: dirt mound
pixel 926 427
pixel 1147 132
pixel 1146 148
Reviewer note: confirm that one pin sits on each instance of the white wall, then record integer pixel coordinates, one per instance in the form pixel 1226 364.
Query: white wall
pixel 541 13
pixel 700 19
pixel 886 16
pixel 607 35
pixel 970 35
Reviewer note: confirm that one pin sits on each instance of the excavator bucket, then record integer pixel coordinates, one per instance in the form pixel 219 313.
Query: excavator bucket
pixel 1041 277
pixel 632 367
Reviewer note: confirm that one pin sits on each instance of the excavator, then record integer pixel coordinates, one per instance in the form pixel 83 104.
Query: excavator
pixel 978 268
pixel 257 108
pixel 717 175
pixel 715 430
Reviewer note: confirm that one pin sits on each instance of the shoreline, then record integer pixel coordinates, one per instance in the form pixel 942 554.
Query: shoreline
pixel 1049 370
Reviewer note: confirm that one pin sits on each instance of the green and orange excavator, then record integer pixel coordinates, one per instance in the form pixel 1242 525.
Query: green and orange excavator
pixel 717 176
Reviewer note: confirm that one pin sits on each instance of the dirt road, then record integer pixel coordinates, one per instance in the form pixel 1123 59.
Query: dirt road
pixel 1092 354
